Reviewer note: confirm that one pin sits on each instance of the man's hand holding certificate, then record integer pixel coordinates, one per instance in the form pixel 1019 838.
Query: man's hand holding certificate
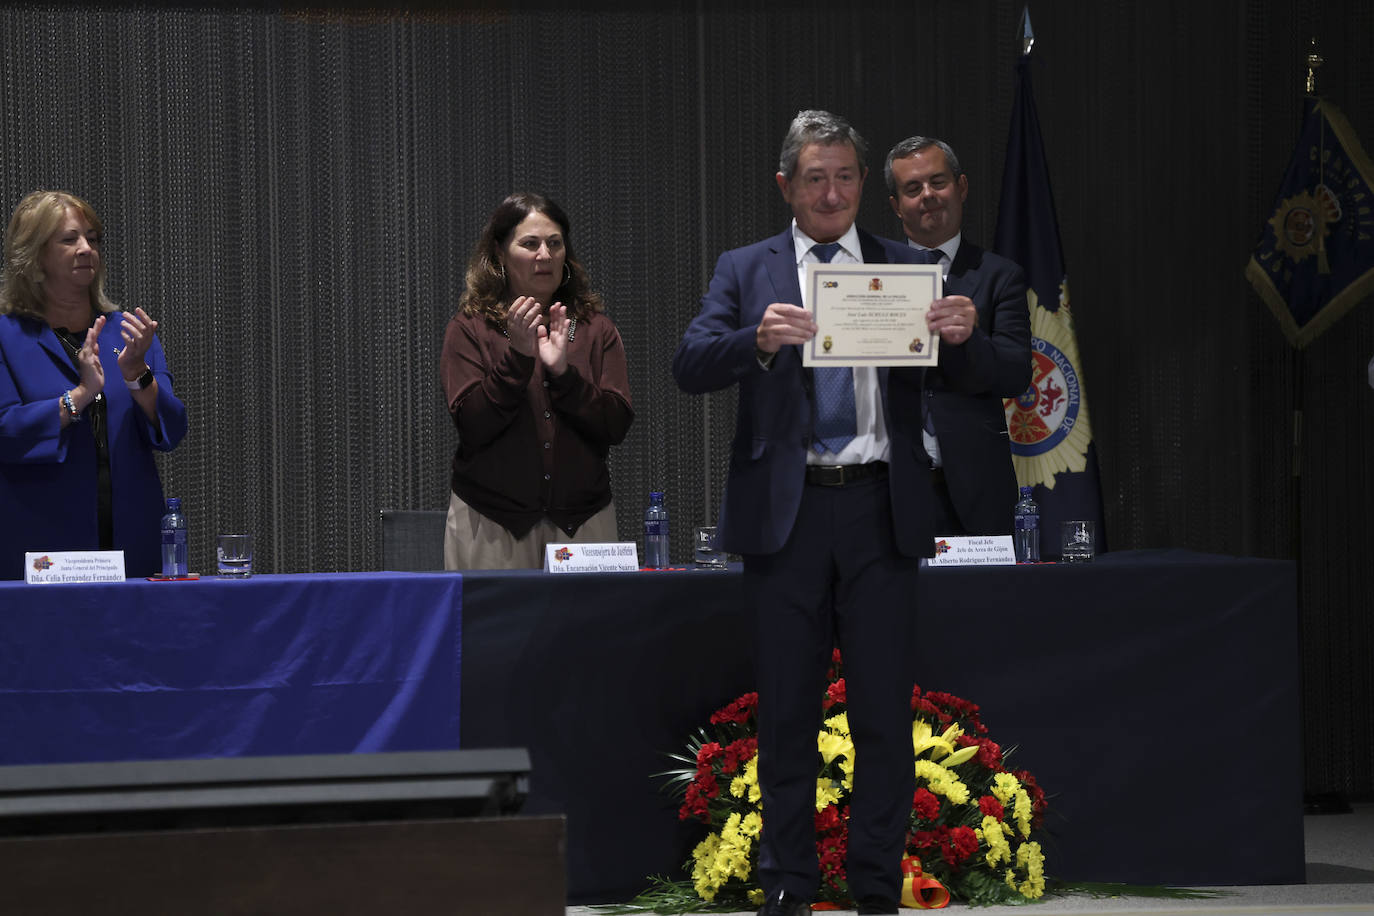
pixel 872 314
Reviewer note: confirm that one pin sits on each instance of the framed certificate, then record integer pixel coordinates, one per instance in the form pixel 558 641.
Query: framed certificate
pixel 872 314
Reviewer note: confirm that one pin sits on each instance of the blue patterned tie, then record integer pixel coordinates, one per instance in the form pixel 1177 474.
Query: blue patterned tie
pixel 835 417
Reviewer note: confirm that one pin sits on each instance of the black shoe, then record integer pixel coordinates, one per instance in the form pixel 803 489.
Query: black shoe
pixel 783 903
pixel 876 905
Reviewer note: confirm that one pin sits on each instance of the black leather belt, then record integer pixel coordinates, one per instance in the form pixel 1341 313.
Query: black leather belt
pixel 842 475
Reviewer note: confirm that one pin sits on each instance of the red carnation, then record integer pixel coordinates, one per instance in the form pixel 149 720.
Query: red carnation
pixel 694 804
pixel 831 849
pixel 829 819
pixel 738 711
pixel 953 845
pixel 989 751
pixel 965 842
pixel 925 804
pixel 834 694
pixel 708 752
pixel 921 704
pixel 739 752
pixel 991 807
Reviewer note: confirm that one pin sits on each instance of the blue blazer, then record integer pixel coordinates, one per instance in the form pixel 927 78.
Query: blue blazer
pixel 967 388
pixel 48 474
pixel 773 423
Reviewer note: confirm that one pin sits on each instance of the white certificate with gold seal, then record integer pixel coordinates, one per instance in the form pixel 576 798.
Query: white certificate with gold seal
pixel 872 314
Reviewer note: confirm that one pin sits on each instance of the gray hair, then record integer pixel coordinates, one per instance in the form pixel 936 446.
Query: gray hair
pixel 821 127
pixel 910 147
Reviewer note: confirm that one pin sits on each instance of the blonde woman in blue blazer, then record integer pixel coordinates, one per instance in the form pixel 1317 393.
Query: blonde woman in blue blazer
pixel 85 397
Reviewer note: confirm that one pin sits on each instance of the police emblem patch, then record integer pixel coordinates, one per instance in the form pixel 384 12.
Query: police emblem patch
pixel 1048 423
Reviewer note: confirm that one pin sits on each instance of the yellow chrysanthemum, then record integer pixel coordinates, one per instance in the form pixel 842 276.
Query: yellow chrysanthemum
pixel 838 724
pixel 751 824
pixel 721 857
pixel 748 782
pixel 942 782
pixel 703 857
pixel 1004 786
pixel 827 793
pixel 1021 812
pixel 999 850
pixel 1030 858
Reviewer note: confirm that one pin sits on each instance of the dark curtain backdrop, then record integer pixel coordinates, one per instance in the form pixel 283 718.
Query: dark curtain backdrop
pixel 294 193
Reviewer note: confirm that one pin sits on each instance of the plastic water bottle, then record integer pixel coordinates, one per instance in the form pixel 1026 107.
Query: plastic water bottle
pixel 174 551
pixel 656 533
pixel 1026 536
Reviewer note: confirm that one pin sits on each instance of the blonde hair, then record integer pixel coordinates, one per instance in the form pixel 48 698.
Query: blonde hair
pixel 34 222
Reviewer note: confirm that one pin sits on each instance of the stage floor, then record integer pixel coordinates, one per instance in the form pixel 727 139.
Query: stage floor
pixel 1340 882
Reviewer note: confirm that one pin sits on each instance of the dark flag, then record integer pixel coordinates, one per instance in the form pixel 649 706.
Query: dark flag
pixel 1051 437
pixel 1315 257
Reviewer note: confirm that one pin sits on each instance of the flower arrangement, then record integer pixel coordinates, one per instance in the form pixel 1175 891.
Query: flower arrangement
pixel 972 818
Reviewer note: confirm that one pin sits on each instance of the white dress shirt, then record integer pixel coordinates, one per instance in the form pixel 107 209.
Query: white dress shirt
pixel 870 442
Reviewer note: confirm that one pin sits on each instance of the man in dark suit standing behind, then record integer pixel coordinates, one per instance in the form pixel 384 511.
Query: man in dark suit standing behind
pixel 966 429
pixel 831 501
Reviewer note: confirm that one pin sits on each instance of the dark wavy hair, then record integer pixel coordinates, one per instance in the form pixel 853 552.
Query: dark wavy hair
pixel 487 292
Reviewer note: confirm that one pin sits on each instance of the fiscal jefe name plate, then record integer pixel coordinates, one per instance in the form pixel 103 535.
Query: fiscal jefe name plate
pixel 872 314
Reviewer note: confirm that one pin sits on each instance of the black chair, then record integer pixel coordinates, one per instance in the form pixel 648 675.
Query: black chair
pixel 413 539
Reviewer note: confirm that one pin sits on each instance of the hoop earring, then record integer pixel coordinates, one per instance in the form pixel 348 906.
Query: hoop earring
pixel 567 273
pixel 501 266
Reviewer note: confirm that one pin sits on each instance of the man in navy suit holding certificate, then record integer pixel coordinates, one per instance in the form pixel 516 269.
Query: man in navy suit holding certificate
pixel 966 426
pixel 831 500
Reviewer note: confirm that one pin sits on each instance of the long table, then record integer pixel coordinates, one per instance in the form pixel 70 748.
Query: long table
pixel 1154 695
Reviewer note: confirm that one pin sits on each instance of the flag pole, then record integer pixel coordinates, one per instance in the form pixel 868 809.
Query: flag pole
pixel 1321 802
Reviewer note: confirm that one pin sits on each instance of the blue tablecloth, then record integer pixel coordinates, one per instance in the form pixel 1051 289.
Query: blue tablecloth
pixel 314 664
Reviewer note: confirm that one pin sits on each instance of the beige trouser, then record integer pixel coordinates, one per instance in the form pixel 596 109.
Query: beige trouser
pixel 473 541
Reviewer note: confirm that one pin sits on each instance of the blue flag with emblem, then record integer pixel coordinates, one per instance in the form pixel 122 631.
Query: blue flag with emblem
pixel 1051 436
pixel 1314 260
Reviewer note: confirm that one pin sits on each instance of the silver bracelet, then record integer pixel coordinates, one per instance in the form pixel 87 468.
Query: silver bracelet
pixel 68 403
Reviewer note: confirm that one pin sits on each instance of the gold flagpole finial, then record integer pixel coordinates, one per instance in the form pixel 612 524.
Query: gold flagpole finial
pixel 1314 60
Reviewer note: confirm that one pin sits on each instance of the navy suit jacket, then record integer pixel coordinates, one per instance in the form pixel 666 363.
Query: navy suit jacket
pixel 48 474
pixel 774 419
pixel 967 388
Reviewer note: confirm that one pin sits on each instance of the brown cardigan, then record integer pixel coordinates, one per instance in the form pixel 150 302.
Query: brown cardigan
pixel 531 446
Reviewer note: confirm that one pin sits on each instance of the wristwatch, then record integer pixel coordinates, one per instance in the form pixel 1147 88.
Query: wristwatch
pixel 143 381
